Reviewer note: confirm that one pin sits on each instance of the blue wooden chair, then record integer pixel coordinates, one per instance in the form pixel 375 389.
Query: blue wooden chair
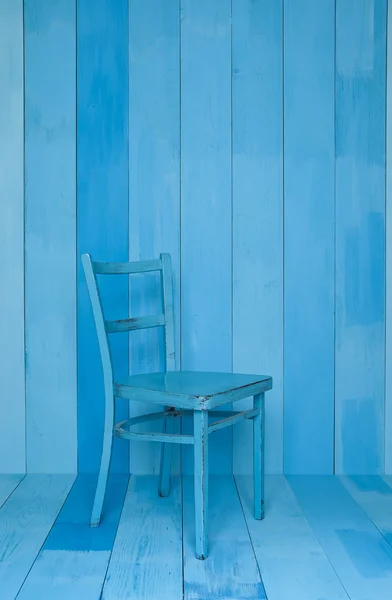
pixel 180 392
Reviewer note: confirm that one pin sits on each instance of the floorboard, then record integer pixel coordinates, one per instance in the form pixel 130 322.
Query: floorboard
pixel 8 483
pixel 146 562
pixel 292 563
pixel 231 569
pixel 74 559
pixel 360 555
pixel 25 521
pixel 373 493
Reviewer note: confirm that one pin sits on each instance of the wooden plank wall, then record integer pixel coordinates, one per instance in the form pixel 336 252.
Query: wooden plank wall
pixel 249 140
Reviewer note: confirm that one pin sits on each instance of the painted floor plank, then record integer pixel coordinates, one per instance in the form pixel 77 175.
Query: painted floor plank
pixel 25 521
pixel 292 563
pixel 8 483
pixel 374 495
pixel 146 561
pixel 231 570
pixel 75 557
pixel 360 555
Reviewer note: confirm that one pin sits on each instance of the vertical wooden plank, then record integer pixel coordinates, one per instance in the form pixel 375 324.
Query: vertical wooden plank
pixel 154 186
pixel 206 266
pixel 309 235
pixel 50 178
pixel 12 372
pixel 102 164
pixel 360 235
pixel 388 252
pixel 258 216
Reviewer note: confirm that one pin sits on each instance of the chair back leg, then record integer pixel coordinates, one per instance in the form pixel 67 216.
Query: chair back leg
pixel 166 456
pixel 105 463
pixel 258 456
pixel 200 418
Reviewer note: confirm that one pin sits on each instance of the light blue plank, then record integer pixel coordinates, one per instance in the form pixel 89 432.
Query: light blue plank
pixel 388 253
pixel 291 560
pixel 360 555
pixel 25 521
pixel 231 570
pixel 74 559
pixel 50 229
pixel 154 185
pixel 258 216
pixel 102 104
pixel 146 561
pixel 360 235
pixel 309 236
pixel 12 372
pixel 8 483
pixel 206 283
pixel 374 494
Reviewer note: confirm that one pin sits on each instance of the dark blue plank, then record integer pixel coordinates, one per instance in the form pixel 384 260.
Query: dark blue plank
pixel 74 559
pixel 309 38
pixel 102 104
pixel 360 235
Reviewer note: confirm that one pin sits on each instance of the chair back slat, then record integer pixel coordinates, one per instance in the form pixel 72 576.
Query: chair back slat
pixel 105 327
pixel 134 324
pixel 130 268
pixel 167 289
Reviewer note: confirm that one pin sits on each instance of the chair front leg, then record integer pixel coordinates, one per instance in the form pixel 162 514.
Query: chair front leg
pixel 105 463
pixel 166 456
pixel 200 419
pixel 258 456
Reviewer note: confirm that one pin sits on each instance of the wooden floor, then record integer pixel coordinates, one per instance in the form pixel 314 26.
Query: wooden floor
pixel 323 538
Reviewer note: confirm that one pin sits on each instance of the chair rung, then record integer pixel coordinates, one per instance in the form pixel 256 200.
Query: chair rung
pixel 114 268
pixel 133 324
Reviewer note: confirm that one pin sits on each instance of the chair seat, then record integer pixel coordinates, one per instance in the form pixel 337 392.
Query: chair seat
pixel 191 389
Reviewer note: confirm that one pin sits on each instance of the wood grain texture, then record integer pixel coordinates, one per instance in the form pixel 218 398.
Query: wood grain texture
pixel 8 483
pixel 12 371
pixel 360 236
pixel 308 236
pixel 74 558
pixel 388 252
pixel 258 216
pixel 146 561
pixel 102 164
pixel 206 212
pixel 231 569
pixel 290 558
pixel 359 554
pixel 154 186
pixel 25 521
pixel 374 494
pixel 50 229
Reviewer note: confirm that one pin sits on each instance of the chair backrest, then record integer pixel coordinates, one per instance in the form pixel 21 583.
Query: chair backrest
pixel 105 327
